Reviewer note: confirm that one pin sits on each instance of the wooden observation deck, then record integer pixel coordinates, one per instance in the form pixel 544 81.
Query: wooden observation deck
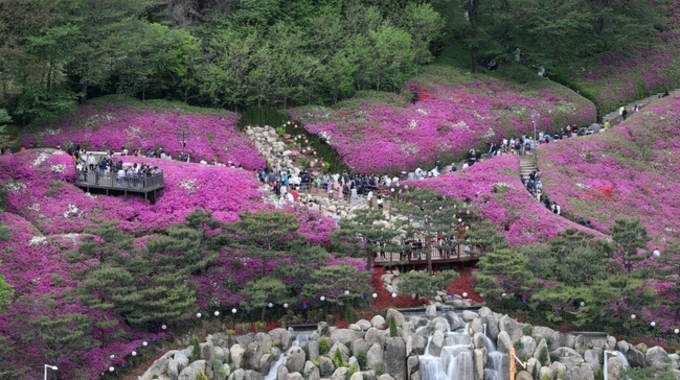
pixel 109 182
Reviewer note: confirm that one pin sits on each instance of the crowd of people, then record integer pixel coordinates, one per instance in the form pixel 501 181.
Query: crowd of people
pixel 93 167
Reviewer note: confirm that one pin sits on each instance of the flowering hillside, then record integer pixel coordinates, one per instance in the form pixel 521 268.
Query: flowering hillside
pixel 134 125
pixel 444 122
pixel 40 187
pixel 494 186
pixel 628 171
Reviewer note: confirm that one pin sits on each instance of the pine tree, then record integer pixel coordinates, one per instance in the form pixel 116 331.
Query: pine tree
pixel 630 241
pixel 263 291
pixel 503 271
pixel 425 285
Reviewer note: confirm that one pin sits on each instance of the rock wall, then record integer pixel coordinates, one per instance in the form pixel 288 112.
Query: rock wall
pixel 367 351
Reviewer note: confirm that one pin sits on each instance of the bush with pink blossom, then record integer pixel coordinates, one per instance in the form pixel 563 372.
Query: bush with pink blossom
pixel 627 171
pixel 443 122
pixel 494 187
pixel 99 126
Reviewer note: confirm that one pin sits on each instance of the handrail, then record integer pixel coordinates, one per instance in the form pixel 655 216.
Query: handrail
pixel 112 181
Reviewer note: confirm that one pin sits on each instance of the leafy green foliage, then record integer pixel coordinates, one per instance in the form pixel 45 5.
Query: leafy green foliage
pixel 503 271
pixel 6 293
pixel 324 346
pixel 647 373
pixel 426 285
pixel 263 291
pixel 630 238
pixel 393 327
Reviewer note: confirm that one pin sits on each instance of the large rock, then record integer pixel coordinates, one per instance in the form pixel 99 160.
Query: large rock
pixel 523 375
pixel 479 341
pixel 476 326
pixel 436 343
pixel 542 354
pixel 206 350
pixel 219 354
pixel 478 357
pixel 455 322
pixel 492 329
pixel 614 368
pixel 364 324
pixel 412 365
pixel 512 327
pixel 326 366
pixel 374 357
pixel 245 340
pixel 594 358
pixel 584 372
pixel 545 373
pixel 346 336
pixel 295 359
pixel 282 338
pixel 533 365
pixel 580 344
pixel 622 346
pixel 311 371
pixel 378 322
pixel 398 317
pixel 339 347
pixel 635 357
pixel 568 356
pixel 657 357
pixel 468 315
pixel 528 347
pixel 385 376
pixel 418 343
pixel 340 374
pixel 159 367
pixel 236 351
pixel 557 367
pixel 239 374
pixel 504 343
pixel 265 363
pixel 313 349
pixel 372 336
pixel 260 345
pixel 358 346
pixel 430 312
pixel 173 369
pixel 192 371
pixel 395 357
pixel 294 376
pixel 253 375
pixel 281 372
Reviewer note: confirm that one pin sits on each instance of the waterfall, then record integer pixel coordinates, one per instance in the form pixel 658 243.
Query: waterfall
pixel 455 361
pixel 494 366
pixel 275 367
pixel 623 359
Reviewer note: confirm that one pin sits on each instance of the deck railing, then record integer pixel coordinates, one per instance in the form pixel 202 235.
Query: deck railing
pixel 112 181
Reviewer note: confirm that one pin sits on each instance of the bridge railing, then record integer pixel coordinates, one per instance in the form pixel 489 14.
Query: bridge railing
pixel 112 181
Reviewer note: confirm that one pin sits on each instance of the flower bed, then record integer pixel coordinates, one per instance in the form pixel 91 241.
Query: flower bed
pixel 495 188
pixel 212 136
pixel 628 171
pixel 443 123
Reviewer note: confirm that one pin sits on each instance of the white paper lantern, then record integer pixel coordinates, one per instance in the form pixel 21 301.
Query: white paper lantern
pixel 285 306
pixel 322 298
pixel 217 313
pixel 164 327
pixel 481 295
pixel 112 356
pixel 503 295
pixel 134 353
pixel 394 295
pixel 346 292
pixel 111 369
pixel 652 324
pixel 145 343
pixel 632 316
pixel 374 295
pixel 233 311
pixel 582 304
pixel 198 315
pixel 657 253
pixel 677 331
pixel 270 305
pixel 465 295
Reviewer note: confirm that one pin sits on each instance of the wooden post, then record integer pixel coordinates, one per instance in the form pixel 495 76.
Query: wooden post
pixel 513 369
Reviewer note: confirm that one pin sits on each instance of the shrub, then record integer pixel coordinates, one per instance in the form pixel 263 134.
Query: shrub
pixel 543 355
pixel 393 327
pixel 362 359
pixel 349 314
pixel 527 330
pixel 326 369
pixel 337 359
pixel 519 345
pixel 379 369
pixel 201 376
pixel 352 370
pixel 196 351
pixel 324 346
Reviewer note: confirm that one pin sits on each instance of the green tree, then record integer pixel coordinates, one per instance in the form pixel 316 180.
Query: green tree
pixel 485 237
pixel 430 216
pixel 425 285
pixel 503 271
pixel 630 242
pixel 363 233
pixel 263 291
pixel 425 26
pixel 393 55
pixel 264 235
pixel 332 282
pixel 670 259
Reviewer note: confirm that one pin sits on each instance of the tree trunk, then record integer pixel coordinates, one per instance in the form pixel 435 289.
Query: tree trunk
pixel 473 57
pixel 83 92
pixel 264 308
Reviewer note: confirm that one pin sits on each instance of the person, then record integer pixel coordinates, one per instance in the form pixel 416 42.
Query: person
pixel 518 54
pixel 624 114
pixel 606 124
pixel 621 109
pixel 380 203
pixel 541 71
pixel 556 208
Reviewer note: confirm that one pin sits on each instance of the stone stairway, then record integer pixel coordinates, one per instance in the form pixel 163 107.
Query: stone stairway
pixel 527 164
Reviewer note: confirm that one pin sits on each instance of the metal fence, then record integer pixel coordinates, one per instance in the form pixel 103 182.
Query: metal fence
pixel 112 181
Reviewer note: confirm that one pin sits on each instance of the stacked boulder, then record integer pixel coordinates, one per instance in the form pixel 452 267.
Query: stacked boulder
pixel 391 348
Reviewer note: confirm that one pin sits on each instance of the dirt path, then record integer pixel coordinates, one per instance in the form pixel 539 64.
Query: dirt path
pixel 613 116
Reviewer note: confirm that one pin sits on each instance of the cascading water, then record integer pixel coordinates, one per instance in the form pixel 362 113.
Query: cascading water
pixel 454 362
pixel 275 367
pixel 623 359
pixel 494 365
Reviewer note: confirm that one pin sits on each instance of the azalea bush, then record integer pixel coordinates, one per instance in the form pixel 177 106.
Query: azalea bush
pixel 209 134
pixel 629 170
pixel 443 122
pixel 494 188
